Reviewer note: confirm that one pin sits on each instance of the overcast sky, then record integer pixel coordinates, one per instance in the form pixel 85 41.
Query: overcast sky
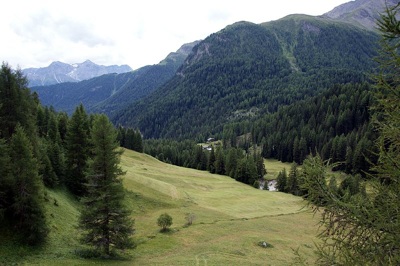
pixel 137 33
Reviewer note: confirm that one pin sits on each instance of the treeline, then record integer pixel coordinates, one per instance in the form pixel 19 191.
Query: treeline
pixel 295 181
pixel 336 124
pixel 245 167
pixel 41 148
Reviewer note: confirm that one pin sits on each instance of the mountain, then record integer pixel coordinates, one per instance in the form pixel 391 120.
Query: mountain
pixel 363 13
pixel 144 84
pixel 58 72
pixel 111 92
pixel 247 70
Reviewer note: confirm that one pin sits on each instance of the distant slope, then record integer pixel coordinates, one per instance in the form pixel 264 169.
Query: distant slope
pixel 112 92
pixel 66 96
pixel 58 72
pixel 145 83
pixel 246 70
pixel 363 13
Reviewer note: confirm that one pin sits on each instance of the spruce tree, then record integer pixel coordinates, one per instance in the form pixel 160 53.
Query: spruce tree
pixel 17 105
pixel 219 163
pixel 211 161
pixel 77 151
pixel 281 181
pixel 27 188
pixel 105 219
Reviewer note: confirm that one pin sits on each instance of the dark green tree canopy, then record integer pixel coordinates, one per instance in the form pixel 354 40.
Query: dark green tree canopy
pixel 105 220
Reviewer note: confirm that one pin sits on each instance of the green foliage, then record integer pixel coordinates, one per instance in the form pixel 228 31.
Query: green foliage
pixel 281 181
pixel 164 221
pixel 130 139
pixel 336 124
pixel 362 228
pixel 27 208
pixel 17 104
pixel 21 187
pixel 77 151
pixel 5 178
pixel 104 219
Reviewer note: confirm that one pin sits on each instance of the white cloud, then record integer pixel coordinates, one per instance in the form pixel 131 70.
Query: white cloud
pixel 35 33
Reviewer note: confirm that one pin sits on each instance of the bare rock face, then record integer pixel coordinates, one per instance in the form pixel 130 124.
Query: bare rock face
pixel 363 13
pixel 58 72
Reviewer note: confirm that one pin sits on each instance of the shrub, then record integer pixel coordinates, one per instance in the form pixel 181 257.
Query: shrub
pixel 164 221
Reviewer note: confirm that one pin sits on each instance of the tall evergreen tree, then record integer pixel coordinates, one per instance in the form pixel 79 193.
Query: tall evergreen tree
pixel 211 161
pixel 219 161
pixel 231 162
pixel 281 181
pixel 261 171
pixel 105 219
pixel 17 105
pixel 28 207
pixel 77 151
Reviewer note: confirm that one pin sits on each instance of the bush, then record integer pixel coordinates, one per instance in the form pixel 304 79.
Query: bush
pixel 164 221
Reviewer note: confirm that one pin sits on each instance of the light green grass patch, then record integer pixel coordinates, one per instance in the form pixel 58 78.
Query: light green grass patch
pixel 231 218
pixel 273 168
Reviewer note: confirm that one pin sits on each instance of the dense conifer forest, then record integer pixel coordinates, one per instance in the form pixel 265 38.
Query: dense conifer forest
pixel 41 149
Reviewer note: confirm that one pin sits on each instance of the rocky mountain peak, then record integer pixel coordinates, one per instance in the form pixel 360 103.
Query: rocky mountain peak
pixel 363 13
pixel 59 72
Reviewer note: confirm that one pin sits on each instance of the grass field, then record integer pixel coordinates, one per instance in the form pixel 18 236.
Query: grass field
pixel 231 218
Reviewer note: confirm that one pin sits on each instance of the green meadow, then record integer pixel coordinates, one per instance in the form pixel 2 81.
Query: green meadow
pixel 231 219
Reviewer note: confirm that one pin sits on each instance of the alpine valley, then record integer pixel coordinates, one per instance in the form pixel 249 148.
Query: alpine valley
pixel 244 80
pixel 169 164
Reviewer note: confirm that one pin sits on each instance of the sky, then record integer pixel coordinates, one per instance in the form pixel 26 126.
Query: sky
pixel 116 32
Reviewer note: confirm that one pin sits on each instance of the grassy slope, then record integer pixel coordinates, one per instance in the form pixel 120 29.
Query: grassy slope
pixel 230 219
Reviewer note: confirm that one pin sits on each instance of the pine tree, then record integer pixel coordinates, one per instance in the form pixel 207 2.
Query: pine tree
pixel 231 162
pixel 77 151
pixel 104 219
pixel 27 208
pixel 219 161
pixel 261 171
pixel 138 142
pixel 17 105
pixel 292 185
pixel 46 169
pixel 281 181
pixel 211 162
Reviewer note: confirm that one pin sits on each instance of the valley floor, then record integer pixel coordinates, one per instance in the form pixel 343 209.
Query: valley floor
pixel 231 219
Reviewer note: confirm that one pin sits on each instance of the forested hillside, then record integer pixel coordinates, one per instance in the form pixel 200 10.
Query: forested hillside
pixel 112 92
pixel 336 124
pixel 247 70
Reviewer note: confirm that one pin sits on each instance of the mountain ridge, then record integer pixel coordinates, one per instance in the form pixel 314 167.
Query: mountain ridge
pixel 246 67
pixel 59 72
